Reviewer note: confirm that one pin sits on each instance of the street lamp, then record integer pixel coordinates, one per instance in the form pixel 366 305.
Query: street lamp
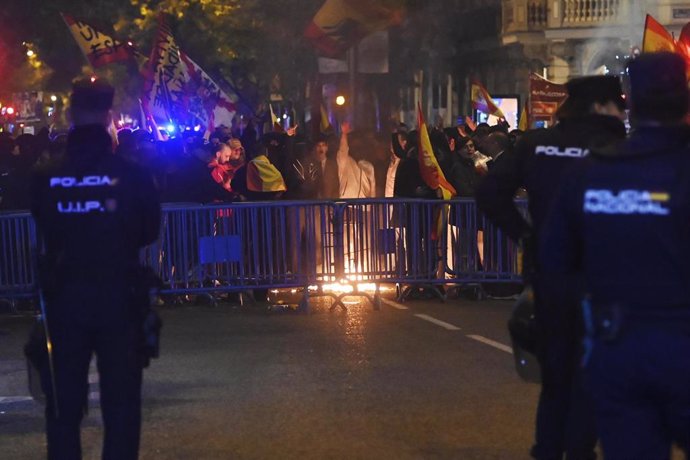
pixel 340 100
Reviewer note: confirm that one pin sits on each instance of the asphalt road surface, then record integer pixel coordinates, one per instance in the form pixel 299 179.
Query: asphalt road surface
pixel 420 380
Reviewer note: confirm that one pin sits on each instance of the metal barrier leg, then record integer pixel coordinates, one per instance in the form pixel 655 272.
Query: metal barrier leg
pixel 304 303
pixel 377 298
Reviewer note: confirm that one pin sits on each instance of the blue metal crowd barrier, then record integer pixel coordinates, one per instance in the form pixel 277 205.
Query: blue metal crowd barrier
pixel 17 268
pixel 298 244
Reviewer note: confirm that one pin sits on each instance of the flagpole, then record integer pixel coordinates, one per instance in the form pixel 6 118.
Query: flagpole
pixel 352 69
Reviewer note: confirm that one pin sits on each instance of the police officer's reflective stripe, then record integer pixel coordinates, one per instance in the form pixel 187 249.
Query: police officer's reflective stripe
pixel 79 207
pixel 86 181
pixel 567 152
pixel 626 202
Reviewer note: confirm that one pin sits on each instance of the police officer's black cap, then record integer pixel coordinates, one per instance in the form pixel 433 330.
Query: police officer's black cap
pixel 92 94
pixel 599 88
pixel 658 86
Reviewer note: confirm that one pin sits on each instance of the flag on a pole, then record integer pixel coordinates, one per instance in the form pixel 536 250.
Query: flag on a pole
pixel 481 100
pixel 100 49
pixel 428 165
pixel 339 24
pixel 177 87
pixel 656 37
pixel 275 121
pixel 325 126
pixel 432 174
pixel 523 124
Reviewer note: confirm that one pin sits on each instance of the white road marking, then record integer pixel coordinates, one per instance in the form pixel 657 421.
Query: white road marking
pixel 397 305
pixel 438 322
pixel 14 399
pixel 491 343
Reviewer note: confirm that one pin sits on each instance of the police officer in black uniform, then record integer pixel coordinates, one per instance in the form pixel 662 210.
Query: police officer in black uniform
pixel 94 211
pixel 623 220
pixel 591 117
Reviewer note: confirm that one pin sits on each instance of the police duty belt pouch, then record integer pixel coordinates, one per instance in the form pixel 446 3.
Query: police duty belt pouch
pixel 523 335
pixel 36 354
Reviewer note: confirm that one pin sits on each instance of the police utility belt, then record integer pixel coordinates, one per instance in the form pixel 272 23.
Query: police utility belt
pixel 608 322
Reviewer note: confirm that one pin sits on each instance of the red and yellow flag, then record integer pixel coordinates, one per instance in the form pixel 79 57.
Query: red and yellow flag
pixel 325 126
pixel 656 37
pixel 432 174
pixel 100 49
pixel 523 124
pixel 339 24
pixel 262 176
pixel 481 100
pixel 428 165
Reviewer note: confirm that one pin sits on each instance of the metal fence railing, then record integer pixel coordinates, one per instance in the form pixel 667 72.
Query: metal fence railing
pixel 301 244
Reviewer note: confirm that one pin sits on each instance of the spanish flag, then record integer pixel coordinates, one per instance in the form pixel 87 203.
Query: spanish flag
pixel 523 124
pixel 100 49
pixel 339 24
pixel 656 37
pixel 481 100
pixel 431 171
pixel 325 126
pixel 262 176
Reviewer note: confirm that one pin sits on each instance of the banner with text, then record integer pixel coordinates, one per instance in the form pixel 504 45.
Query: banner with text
pixel 544 99
pixel 178 89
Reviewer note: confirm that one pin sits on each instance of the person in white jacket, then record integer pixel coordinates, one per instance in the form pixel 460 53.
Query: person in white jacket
pixel 356 177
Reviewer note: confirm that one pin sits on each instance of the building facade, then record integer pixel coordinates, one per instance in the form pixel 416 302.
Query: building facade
pixel 499 42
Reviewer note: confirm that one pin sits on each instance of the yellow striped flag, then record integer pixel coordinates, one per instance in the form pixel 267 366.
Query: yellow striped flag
pixel 656 37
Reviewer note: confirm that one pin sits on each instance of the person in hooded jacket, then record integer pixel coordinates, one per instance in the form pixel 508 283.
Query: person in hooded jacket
pixel 591 118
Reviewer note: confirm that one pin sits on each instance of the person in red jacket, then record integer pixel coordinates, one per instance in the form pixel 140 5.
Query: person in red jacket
pixel 229 158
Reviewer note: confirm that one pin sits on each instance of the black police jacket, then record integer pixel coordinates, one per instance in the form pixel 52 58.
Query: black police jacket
pixel 623 220
pixel 94 210
pixel 538 164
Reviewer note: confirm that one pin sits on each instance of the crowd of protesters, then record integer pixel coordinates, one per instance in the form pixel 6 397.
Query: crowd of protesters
pixel 237 164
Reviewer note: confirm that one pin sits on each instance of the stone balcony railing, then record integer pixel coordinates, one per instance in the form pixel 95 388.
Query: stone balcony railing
pixel 538 15
pixel 590 12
